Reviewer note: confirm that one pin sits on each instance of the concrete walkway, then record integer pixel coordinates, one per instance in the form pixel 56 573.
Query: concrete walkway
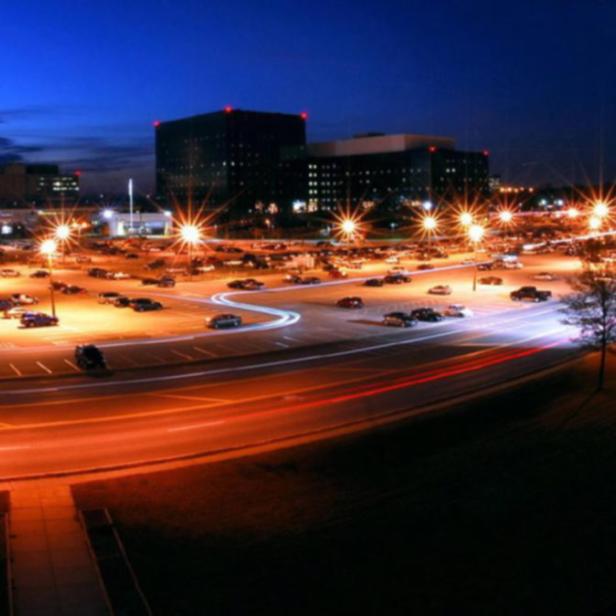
pixel 53 571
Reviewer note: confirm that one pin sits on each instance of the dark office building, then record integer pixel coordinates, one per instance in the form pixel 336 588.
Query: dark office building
pixel 37 183
pixel 391 171
pixel 230 157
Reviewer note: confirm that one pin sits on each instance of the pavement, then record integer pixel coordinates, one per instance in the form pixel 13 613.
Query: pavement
pixel 53 571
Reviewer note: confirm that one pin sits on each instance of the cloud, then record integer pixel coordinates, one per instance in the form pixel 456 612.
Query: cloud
pixel 11 151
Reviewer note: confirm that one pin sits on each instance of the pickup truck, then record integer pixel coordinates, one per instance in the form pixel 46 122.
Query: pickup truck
pixel 530 293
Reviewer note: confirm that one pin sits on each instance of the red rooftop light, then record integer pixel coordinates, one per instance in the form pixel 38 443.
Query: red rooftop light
pixel 77 173
pixel 228 109
pixel 156 123
pixel 486 152
pixel 432 149
pixel 304 115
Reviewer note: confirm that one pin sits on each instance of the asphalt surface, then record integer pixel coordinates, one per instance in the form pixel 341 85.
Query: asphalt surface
pixel 303 367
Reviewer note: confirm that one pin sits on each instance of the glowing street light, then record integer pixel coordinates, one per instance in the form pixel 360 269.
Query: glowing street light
pixel 190 235
pixel 594 223
pixel 573 212
pixel 429 223
pixel 466 219
pixel 48 248
pixel 506 217
pixel 600 210
pixel 62 232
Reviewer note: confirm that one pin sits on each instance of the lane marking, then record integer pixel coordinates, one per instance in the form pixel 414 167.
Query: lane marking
pixel 207 424
pixel 182 355
pixel 204 352
pixel 15 370
pixel 44 367
pixel 68 362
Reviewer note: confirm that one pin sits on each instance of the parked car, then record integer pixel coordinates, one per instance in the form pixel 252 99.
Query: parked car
pixel 73 289
pixel 398 271
pixel 90 357
pixel 121 302
pixel 108 297
pixel 350 302
pixel 546 276
pixel 397 279
pixel 144 304
pixel 223 321
pixel 399 319
pixel 38 319
pixel 23 299
pixel 531 294
pixel 166 282
pixel 14 312
pixel 149 281
pixel 97 272
pixel 57 285
pixel 426 314
pixel 337 274
pixel 118 276
pixel 457 310
pixel 491 280
pixel 9 273
pixel 310 280
pixel 440 289
pixel 485 267
pixel 40 274
pixel 425 266
pixel 374 282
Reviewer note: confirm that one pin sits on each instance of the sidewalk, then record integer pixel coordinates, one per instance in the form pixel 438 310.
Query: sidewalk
pixel 53 572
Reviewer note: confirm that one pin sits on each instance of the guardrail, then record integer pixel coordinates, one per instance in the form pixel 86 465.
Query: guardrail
pixel 122 589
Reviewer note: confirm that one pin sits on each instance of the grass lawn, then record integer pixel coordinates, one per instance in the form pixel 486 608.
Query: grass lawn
pixel 502 507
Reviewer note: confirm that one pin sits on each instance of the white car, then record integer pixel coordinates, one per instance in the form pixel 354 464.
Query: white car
pixel 457 310
pixel 119 276
pixel 393 260
pixel 396 271
pixel 9 273
pixel 511 265
pixel 15 312
pixel 23 299
pixel 440 289
pixel 204 269
pixel 545 276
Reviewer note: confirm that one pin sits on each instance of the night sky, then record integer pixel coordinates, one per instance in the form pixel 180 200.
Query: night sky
pixel 532 81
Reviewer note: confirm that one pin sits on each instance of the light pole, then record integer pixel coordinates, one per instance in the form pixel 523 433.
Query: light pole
pixel 475 235
pixel 62 234
pixel 190 234
pixel 48 248
pixel 429 224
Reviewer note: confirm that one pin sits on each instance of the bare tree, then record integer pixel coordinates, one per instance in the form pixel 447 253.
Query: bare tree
pixel 592 308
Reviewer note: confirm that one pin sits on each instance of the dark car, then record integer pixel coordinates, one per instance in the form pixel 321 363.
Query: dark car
pixel 144 304
pixel 38 319
pixel 58 285
pixel 310 280
pixel 131 255
pixel 166 282
pixel 374 282
pixel 350 302
pixel 40 274
pixel 485 267
pixel 337 274
pixel 149 281
pixel 73 289
pixel 90 357
pixel 222 321
pixel 491 280
pixel 426 314
pixel 530 293
pixel 425 266
pixel 397 279
pixel 399 319
pixel 121 302
pixel 97 272
pixel 156 264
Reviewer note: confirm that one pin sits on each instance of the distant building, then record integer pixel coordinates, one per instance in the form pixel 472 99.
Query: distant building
pixel 230 157
pixel 20 183
pixel 393 169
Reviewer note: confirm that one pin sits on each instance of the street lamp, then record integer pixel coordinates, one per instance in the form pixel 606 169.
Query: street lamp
pixel 573 212
pixel 191 235
pixel 48 249
pixel 506 217
pixel 594 223
pixel 348 227
pixel 466 219
pixel 600 210
pixel 475 235
pixel 62 233
pixel 429 225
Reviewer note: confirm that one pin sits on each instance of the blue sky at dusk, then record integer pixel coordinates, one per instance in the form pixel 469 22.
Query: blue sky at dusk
pixel 533 82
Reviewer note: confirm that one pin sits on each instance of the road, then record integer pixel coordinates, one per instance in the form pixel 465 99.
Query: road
pixel 78 425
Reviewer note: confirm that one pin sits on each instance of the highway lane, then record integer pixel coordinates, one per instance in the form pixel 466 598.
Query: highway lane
pixel 82 428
